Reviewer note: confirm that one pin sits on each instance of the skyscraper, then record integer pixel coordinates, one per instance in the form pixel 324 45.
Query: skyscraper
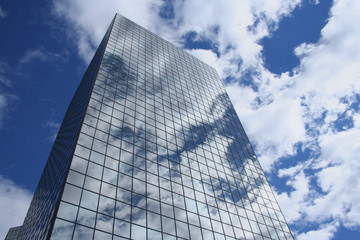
pixel 151 148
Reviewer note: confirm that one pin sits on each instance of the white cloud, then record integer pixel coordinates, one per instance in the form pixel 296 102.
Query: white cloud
pixel 338 177
pixel 6 87
pixel 292 204
pixel 14 202
pixel 315 2
pixel 325 232
pixel 275 128
pixel 335 172
pixel 277 113
pixel 327 81
pixel 208 57
pixel 5 96
pixel 3 104
pixel 3 14
pixel 281 110
pixel 42 55
pixel 88 19
pixel 4 80
pixel 233 18
pixel 328 72
pixel 54 129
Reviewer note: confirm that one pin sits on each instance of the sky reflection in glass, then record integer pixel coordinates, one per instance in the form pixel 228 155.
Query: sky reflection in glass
pixel 162 153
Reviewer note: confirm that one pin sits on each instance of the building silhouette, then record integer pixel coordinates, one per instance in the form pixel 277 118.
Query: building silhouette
pixel 13 233
pixel 151 148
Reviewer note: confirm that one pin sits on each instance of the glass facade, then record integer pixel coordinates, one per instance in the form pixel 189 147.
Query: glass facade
pixel 153 150
pixel 13 233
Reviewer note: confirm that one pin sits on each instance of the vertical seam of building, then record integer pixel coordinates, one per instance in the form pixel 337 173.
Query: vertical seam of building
pixel 78 134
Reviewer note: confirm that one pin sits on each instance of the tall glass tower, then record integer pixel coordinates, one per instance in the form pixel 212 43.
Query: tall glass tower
pixel 151 148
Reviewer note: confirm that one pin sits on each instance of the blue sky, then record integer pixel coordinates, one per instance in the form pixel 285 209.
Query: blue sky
pixel 291 69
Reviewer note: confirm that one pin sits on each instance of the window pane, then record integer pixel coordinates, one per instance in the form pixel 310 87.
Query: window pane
pixel 86 217
pixel 62 230
pixel 71 194
pixel 67 211
pixel 83 233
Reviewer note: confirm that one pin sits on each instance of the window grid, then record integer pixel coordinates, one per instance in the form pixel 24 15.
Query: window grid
pixel 162 152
